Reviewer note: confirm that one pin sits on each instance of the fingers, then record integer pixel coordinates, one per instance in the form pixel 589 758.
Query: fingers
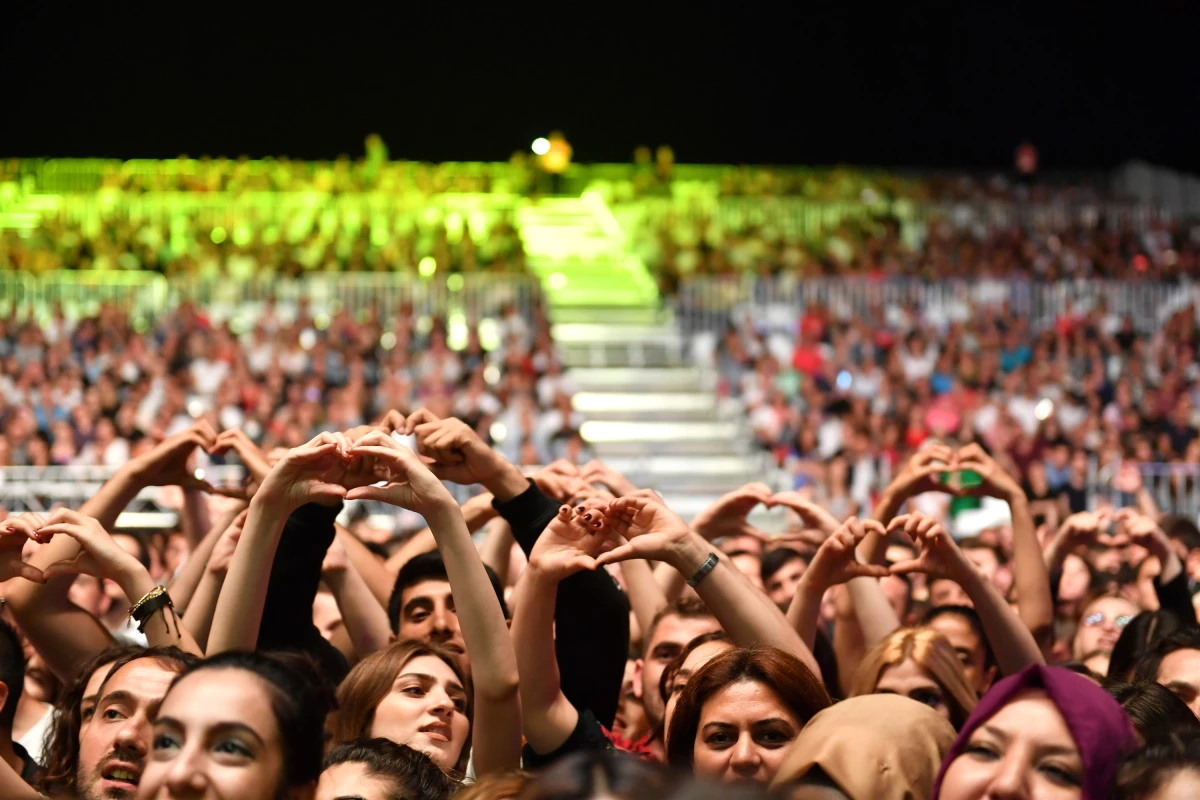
pixel 380 493
pixel 29 525
pixel 32 573
pixel 858 570
pixel 326 491
pixel 592 518
pixel 907 567
pixel 82 563
pixel 422 416
pixel 624 552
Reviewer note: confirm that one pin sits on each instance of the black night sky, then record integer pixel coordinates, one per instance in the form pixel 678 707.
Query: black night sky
pixel 902 84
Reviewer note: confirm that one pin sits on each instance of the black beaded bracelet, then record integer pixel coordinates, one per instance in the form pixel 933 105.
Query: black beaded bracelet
pixel 147 609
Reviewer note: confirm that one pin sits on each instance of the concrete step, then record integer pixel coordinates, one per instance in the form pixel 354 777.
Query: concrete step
pixel 621 355
pixel 566 333
pixel 632 404
pixel 612 315
pixel 629 379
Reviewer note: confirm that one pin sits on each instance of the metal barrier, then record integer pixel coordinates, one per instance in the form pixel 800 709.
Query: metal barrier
pixel 148 296
pixel 711 304
pixel 1175 487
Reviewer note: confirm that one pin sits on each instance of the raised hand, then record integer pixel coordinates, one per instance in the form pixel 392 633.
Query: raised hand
pixel 300 476
pixel 14 531
pixel 938 555
pixel 995 482
pixel 458 454
pixel 410 485
pixel 167 464
pixel 923 473
pixel 98 556
pixel 836 560
pixel 811 514
pixel 569 543
pixel 1088 528
pixel 727 516
pixel 646 529
pixel 251 456
pixel 1145 531
pixel 596 471
pixel 336 561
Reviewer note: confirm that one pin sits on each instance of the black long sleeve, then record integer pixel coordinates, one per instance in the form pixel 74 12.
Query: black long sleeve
pixel 295 576
pixel 1175 596
pixel 591 616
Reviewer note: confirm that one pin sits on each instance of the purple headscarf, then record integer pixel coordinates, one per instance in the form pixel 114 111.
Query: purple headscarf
pixel 1098 724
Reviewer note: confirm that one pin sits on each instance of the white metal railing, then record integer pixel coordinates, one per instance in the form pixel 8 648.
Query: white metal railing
pixel 711 303
pixel 149 296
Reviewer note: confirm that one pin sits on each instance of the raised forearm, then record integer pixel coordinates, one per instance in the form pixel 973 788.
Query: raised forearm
pixel 1031 577
pixel 369 567
pixel 1011 640
pixel 238 616
pixel 183 588
pixel 199 617
pixel 805 610
pixel 496 550
pixel 365 619
pixel 548 717
pixel 875 615
pixel 645 596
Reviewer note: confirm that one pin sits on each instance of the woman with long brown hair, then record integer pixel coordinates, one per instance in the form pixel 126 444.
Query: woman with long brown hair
pixel 410 693
pixel 737 715
pixel 920 664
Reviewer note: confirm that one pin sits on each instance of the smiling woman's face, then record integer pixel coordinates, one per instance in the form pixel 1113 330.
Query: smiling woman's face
pixel 426 710
pixel 1024 750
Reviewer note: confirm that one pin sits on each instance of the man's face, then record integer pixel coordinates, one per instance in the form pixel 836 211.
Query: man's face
pixel 781 587
pixel 945 592
pixel 427 614
pixel 670 637
pixel 1180 672
pixel 114 743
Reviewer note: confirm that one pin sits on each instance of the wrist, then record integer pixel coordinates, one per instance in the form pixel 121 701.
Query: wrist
pixel 689 554
pixel 134 580
pixel 506 482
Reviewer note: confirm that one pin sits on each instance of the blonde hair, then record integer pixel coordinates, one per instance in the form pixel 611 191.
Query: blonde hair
pixel 929 650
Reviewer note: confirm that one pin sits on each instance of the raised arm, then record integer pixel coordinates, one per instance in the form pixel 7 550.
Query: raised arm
pixel 298 478
pixel 65 635
pixel 591 613
pixel 199 616
pixel 835 563
pixel 565 548
pixel 652 531
pixel 939 557
pixel 364 617
pixel 1035 605
pixel 497 731
pixel 183 588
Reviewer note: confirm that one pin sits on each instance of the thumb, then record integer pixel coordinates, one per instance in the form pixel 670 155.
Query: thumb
pixel 32 573
pixel 73 566
pixel 905 567
pixel 380 493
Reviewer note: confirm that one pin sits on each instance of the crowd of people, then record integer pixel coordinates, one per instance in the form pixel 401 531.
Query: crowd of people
pixel 771 243
pixel 588 643
pixel 97 392
pixel 842 401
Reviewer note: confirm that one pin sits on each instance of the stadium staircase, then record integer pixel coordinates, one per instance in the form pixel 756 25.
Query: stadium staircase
pixel 649 412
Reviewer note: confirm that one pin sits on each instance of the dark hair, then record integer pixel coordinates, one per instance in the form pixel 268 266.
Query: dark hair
pixel 783 673
pixel 672 669
pixel 170 657
pixel 61 756
pixel 12 673
pixel 143 550
pixel 1148 664
pixel 971 616
pixel 412 775
pixel 777 559
pixel 1148 770
pixel 1181 528
pixel 430 567
pixel 593 773
pixel 1136 638
pixel 687 608
pixel 977 543
pixel 1155 711
pixel 300 698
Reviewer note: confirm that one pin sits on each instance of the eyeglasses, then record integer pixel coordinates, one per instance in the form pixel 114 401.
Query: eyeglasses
pixel 1096 617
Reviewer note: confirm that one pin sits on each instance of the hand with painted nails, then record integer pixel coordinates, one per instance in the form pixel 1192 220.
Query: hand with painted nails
pixel 837 561
pixel 938 555
pixel 14 532
pixel 646 529
pixel 569 543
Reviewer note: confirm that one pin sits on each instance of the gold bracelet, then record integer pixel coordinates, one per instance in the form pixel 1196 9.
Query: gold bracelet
pixel 157 591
